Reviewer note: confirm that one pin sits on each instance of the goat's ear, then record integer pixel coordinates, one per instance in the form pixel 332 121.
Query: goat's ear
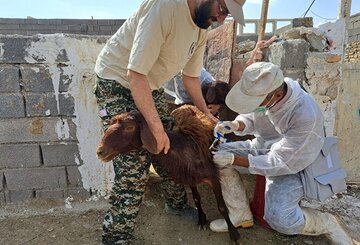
pixel 210 95
pixel 147 138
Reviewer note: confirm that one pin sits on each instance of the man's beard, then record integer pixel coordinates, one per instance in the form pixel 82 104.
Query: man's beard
pixel 203 14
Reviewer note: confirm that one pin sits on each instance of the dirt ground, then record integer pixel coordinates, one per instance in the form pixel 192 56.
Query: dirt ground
pixel 79 222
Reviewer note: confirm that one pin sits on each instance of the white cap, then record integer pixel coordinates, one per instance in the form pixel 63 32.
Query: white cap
pixel 235 8
pixel 257 81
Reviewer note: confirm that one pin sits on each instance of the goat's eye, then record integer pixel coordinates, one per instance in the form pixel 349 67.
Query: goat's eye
pixel 129 128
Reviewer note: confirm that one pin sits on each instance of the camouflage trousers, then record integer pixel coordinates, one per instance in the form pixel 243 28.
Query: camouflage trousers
pixel 131 170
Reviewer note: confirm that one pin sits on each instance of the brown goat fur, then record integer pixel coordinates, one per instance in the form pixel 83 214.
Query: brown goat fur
pixel 188 161
pixel 191 121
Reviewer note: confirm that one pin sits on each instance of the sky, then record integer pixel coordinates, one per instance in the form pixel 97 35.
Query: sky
pixel 321 10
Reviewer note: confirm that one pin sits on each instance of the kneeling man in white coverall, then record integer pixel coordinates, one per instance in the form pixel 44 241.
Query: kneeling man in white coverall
pixel 288 128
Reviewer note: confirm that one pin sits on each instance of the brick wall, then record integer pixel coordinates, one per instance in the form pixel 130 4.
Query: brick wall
pixel 352 53
pixel 354 28
pixel 29 27
pixel 48 121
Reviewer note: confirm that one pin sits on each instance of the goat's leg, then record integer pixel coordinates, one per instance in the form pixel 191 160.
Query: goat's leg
pixel 197 200
pixel 216 187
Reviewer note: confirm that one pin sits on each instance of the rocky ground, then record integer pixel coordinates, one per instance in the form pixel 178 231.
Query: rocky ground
pixel 76 222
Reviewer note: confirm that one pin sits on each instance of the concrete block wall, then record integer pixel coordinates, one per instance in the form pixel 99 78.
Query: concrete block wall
pixel 291 57
pixel 48 131
pixel 348 119
pixel 303 54
pixel 348 108
pixel 353 27
pixel 29 27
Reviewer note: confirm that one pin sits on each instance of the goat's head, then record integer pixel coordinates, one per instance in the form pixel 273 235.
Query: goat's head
pixel 126 132
pixel 214 94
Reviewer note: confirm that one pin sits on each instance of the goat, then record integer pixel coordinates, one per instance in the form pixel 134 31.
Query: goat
pixel 188 161
pixel 214 94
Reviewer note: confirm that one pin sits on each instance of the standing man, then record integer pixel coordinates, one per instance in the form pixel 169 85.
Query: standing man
pixel 288 128
pixel 162 38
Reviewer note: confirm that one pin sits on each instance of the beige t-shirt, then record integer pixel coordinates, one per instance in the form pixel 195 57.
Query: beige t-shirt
pixel 158 41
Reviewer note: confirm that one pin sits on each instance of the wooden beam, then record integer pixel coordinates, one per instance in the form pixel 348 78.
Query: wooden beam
pixel 263 19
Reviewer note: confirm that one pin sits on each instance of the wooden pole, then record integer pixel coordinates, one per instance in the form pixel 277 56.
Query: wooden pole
pixel 344 8
pixel 263 19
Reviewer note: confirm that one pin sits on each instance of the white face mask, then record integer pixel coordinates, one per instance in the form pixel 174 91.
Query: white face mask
pixel 265 108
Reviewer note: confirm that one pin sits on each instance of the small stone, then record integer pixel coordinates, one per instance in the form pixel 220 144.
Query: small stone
pixel 245 46
pixel 333 58
pixel 308 242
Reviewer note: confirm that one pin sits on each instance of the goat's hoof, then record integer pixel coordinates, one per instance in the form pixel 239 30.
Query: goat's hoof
pixel 235 239
pixel 202 227
pixel 235 242
pixel 202 222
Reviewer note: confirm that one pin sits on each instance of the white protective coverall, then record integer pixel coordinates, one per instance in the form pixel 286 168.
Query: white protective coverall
pixel 175 86
pixel 289 137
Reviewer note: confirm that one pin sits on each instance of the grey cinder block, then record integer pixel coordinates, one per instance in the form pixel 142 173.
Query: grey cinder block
pixel 289 54
pixel 35 178
pixel 79 193
pixel 41 104
pixel 37 79
pixel 19 156
pixel 49 194
pixel 9 79
pixel 37 129
pixel 67 105
pixel 60 154
pixel 11 105
pixel 14 48
pixel 20 196
pixel 74 177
